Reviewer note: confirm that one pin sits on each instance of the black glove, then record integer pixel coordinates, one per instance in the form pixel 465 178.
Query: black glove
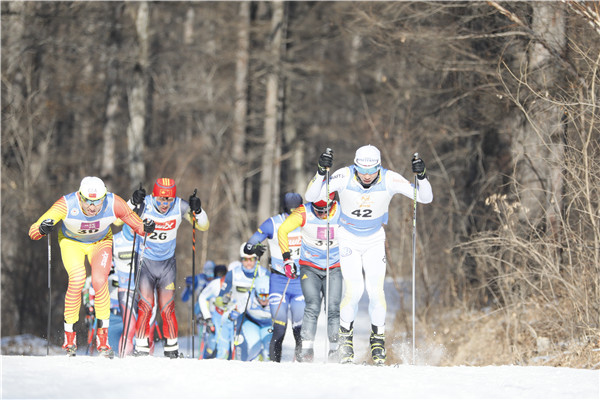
pixel 149 225
pixel 138 196
pixel 418 167
pixel 325 161
pixel 257 249
pixel 195 204
pixel 46 226
pixel 210 325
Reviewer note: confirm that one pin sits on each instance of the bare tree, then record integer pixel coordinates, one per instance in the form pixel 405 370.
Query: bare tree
pixel 268 179
pixel 240 111
pixel 137 96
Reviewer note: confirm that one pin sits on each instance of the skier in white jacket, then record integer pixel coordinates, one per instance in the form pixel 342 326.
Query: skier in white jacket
pixel 365 190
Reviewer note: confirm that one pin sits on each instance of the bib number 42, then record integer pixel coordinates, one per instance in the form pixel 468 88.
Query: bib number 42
pixel 362 213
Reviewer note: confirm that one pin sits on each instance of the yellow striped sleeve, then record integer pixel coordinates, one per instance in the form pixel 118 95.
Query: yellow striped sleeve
pixel 57 212
pixel 294 220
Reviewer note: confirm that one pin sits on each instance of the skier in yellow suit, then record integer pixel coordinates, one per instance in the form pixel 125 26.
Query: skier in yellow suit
pixel 87 215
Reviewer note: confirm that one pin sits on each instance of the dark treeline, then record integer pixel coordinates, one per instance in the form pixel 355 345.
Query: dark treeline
pixel 238 99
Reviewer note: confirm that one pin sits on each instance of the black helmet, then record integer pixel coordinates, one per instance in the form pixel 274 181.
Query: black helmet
pixel 290 201
pixel 220 270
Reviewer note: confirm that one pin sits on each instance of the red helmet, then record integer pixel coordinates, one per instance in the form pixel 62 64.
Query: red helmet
pixel 164 187
pixel 322 204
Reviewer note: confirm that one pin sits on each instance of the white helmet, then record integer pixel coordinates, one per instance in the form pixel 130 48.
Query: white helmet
pixel 92 188
pixel 244 255
pixel 367 159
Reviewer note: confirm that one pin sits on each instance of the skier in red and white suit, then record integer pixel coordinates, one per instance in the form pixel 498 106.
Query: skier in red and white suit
pixel 158 266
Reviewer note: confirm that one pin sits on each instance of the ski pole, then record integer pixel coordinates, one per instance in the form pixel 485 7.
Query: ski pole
pixel 193 273
pixel 234 341
pixel 126 333
pixel 137 279
pixel 414 257
pixel 327 271
pixel 49 296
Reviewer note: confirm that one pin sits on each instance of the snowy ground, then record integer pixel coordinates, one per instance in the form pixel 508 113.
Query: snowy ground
pixel 57 376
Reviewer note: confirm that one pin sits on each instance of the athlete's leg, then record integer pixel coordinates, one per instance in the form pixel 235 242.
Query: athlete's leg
pixel 351 268
pixel 374 267
pixel 166 304
pixel 297 306
pixel 334 297
pixel 279 313
pixel 128 336
pixel 100 257
pixel 144 306
pixel 265 338
pixel 73 258
pixel 311 287
pixel 224 332
pixel 249 344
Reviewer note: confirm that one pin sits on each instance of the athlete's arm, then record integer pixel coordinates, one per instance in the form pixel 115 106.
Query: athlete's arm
pixel 211 290
pixel 202 222
pixel 126 214
pixel 317 188
pixel 294 220
pixel 396 183
pixel 57 212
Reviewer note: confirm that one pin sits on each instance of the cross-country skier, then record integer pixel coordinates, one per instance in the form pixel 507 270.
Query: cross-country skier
pixel 255 333
pixel 237 286
pixel 209 315
pixel 365 190
pixel 158 266
pixel 313 221
pixel 201 280
pixel 87 215
pixel 290 303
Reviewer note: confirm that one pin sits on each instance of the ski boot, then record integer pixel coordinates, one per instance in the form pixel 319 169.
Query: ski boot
pixel 377 346
pixel 172 348
pixel 102 345
pixel 333 355
pixel 346 346
pixel 306 355
pixel 142 347
pixel 70 344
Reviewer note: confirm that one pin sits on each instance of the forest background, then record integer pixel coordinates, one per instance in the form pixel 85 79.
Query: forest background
pixel 238 99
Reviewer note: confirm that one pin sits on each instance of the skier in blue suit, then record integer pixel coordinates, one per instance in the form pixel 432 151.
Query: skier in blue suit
pixel 255 335
pixel 285 298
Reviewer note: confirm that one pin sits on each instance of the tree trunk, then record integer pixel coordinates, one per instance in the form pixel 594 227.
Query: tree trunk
pixel 267 178
pixel 138 94
pixel 238 155
pixel 538 146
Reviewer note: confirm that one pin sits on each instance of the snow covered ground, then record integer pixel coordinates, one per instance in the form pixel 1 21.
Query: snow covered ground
pixel 83 377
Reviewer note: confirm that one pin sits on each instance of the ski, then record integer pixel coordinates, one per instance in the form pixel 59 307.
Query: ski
pixel 109 353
